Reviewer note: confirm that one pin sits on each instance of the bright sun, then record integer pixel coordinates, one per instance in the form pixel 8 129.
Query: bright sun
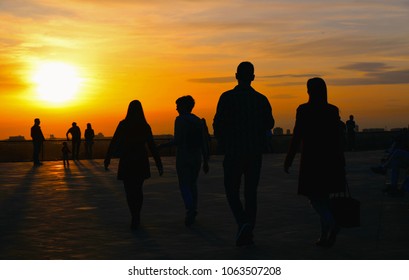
pixel 57 82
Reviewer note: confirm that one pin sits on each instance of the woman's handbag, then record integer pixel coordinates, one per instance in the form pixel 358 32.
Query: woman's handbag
pixel 345 209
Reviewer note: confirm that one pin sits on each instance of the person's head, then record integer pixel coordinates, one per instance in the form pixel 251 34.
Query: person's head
pixel 88 125
pixel 317 90
pixel 135 112
pixel 74 124
pixel 245 72
pixel 351 117
pixel 37 121
pixel 64 144
pixel 185 104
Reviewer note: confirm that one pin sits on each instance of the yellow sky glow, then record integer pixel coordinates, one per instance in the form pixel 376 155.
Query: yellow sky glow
pixel 114 51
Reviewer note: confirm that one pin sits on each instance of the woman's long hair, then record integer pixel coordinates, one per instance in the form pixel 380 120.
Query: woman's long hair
pixel 135 113
pixel 317 90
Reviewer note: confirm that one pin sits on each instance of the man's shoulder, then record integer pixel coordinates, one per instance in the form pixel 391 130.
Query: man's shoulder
pixel 226 94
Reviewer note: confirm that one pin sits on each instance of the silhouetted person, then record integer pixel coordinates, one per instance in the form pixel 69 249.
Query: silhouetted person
pixel 38 139
pixel 351 129
pixel 397 159
pixel 130 138
pixel 75 140
pixel 192 144
pixel 89 140
pixel 322 162
pixel 242 118
pixel 65 154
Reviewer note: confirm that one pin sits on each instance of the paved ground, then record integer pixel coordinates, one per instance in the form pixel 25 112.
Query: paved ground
pixel 80 213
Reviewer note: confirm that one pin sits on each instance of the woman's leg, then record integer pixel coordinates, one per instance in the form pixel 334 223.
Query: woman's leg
pixel 134 198
pixel 328 225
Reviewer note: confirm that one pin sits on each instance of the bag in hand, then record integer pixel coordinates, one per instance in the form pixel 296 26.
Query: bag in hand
pixel 346 210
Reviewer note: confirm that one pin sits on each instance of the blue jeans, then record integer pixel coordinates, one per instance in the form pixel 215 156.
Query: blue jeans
pixel 188 173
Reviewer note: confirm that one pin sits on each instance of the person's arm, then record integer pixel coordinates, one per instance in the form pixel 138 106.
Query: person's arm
pixel 66 134
pixel 205 148
pixel 113 145
pixel 154 151
pixel 41 134
pixel 294 145
pixel 269 121
pixel 220 122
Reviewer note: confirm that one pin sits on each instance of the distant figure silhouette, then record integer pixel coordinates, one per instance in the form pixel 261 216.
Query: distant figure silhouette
pixel 130 138
pixel 89 141
pixel 38 140
pixel 192 144
pixel 242 118
pixel 65 153
pixel 397 158
pixel 75 140
pixel 322 163
pixel 351 129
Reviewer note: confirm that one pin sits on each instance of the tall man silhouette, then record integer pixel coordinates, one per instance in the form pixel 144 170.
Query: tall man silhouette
pixel 242 118
pixel 38 139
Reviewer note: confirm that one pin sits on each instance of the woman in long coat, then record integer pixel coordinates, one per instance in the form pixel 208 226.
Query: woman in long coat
pixel 129 142
pixel 318 132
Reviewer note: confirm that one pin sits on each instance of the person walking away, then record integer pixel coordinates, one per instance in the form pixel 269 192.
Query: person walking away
pixel 242 118
pixel 131 137
pixel 191 140
pixel 322 162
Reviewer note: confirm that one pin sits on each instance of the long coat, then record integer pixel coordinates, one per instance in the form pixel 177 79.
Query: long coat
pixel 319 134
pixel 130 142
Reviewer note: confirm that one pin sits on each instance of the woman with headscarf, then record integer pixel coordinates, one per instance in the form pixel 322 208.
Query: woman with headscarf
pixel 129 143
pixel 318 132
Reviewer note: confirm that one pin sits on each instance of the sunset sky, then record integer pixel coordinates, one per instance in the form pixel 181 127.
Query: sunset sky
pixel 85 60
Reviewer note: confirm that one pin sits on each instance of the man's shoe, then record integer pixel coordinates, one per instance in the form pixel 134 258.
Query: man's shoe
pixel 244 236
pixel 333 236
pixel 321 242
pixel 190 218
pixel 135 223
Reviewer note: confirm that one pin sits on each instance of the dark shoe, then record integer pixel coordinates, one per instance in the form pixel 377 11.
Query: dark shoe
pixel 379 170
pixel 190 218
pixel 321 242
pixel 333 236
pixel 135 223
pixel 244 236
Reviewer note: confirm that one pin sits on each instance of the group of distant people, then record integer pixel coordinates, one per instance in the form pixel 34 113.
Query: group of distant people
pixel 75 132
pixel 242 118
